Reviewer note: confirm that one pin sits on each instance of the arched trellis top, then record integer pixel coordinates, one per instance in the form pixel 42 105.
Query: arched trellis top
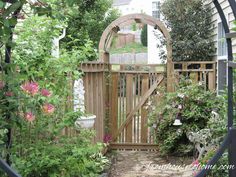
pixel 108 34
pixel 105 41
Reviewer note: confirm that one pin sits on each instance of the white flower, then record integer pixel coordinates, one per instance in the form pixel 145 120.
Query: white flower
pixel 181 95
pixel 200 83
pixel 180 107
pixel 149 103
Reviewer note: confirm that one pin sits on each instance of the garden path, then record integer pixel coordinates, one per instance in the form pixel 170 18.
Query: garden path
pixel 149 164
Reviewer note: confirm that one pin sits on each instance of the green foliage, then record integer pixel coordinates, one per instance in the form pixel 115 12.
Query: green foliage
pixel 64 157
pixel 86 20
pixel 134 27
pixel 33 57
pixel 144 36
pixel 7 20
pixel 10 13
pixel 39 149
pixel 220 168
pixel 197 105
pixel 2 135
pixel 191 29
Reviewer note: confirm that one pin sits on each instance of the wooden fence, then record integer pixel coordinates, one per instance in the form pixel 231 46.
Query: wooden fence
pixel 115 94
pixel 95 94
pixel 204 72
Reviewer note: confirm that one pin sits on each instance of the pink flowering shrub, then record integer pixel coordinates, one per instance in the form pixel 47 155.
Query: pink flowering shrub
pixel 29 116
pixel 46 93
pixel 9 93
pixel 30 99
pixel 48 108
pixel 31 88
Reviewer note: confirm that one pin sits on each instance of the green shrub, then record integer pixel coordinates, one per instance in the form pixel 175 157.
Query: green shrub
pixel 60 158
pixel 40 108
pixel 197 105
pixel 144 36
pixel 191 29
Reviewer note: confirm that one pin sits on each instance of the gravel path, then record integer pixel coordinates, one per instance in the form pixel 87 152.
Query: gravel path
pixel 149 164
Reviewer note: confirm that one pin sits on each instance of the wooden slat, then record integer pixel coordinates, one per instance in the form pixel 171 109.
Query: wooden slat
pixel 141 102
pixel 144 111
pixel 136 72
pixel 95 99
pixel 129 105
pixel 124 104
pixel 195 62
pixel 193 70
pixel 114 104
pixel 134 146
pixel 214 78
pixel 211 82
pixel 120 103
pixel 139 111
pixel 135 124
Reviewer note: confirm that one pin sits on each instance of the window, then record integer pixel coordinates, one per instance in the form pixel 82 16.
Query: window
pixel 222 46
pixel 156 9
pixel 222 57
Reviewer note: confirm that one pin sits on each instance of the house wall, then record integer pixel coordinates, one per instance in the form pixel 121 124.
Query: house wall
pixel 153 50
pixel 221 64
pixel 216 19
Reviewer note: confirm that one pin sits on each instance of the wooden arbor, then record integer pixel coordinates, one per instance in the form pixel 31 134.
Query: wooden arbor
pixel 130 89
pixel 117 94
pixel 114 27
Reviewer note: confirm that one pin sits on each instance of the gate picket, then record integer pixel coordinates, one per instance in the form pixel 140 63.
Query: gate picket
pixel 114 101
pixel 129 105
pixel 145 84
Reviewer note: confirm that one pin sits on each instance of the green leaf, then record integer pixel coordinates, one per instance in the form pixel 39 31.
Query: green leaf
pixel 12 8
pixel 12 21
pixel 6 22
pixel 2 4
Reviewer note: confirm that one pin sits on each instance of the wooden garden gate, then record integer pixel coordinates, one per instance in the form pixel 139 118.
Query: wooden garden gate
pixel 131 87
pixel 118 94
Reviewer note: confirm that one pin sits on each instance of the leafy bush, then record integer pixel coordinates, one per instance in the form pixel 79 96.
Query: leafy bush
pixel 191 29
pixel 38 89
pixel 64 157
pixel 197 105
pixel 144 36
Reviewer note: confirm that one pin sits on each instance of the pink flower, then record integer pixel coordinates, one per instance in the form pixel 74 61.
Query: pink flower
pixel 9 93
pixel 48 108
pixel 46 93
pixel 196 162
pixel 107 138
pixel 29 116
pixel 2 85
pixel 30 88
